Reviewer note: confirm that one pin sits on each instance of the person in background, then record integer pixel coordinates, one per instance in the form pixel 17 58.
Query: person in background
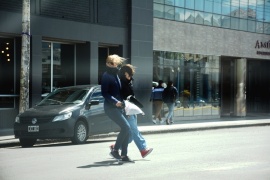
pixel 169 96
pixel 156 97
pixel 113 107
pixel 126 72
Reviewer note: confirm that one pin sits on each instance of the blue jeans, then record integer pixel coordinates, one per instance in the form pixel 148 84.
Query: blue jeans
pixel 170 113
pixel 135 133
pixel 122 139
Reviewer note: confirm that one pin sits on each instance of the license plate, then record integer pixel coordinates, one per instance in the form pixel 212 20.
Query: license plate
pixel 33 128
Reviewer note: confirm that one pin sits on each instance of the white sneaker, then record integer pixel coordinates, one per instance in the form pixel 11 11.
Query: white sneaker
pixel 154 121
pixel 162 121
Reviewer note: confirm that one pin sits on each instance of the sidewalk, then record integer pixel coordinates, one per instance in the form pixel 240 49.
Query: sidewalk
pixel 178 126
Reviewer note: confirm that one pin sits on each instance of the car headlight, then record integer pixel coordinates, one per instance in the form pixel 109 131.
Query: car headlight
pixel 62 117
pixel 17 119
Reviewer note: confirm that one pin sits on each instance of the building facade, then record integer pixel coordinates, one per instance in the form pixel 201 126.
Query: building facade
pixel 70 41
pixel 217 52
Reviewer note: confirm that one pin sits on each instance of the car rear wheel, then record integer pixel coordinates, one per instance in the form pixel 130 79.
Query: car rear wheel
pixel 80 133
pixel 27 142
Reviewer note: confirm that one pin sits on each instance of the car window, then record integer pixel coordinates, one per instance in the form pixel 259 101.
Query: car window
pixel 97 96
pixel 62 96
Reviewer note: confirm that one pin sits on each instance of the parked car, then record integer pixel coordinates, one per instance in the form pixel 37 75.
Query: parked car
pixel 71 112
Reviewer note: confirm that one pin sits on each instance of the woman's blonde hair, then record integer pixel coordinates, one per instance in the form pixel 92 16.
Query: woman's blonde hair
pixel 114 59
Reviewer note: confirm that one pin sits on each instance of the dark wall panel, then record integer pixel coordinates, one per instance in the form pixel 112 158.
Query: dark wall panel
pixel 68 9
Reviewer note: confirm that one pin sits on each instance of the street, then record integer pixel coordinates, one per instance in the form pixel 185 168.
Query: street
pixel 235 153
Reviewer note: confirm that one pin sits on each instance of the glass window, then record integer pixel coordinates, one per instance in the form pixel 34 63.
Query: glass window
pixel 189 16
pixel 158 66
pixel 179 14
pixel 169 12
pixel 235 11
pixel 169 72
pixel 57 66
pixel 267 11
pixel 199 17
pixel 208 19
pixel 217 6
pixel 7 73
pixel 199 5
pixel 169 2
pixel 243 9
pixel 251 26
pixel 180 3
pixel 158 10
pixel 190 4
pixel 259 11
pixel 225 22
pixel 243 24
pixel 159 1
pixel 208 6
pixel 267 28
pixel 235 7
pixel 234 23
pixel 259 27
pixel 216 20
pixel 226 4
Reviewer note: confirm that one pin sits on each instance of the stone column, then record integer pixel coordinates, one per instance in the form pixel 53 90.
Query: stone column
pixel 240 104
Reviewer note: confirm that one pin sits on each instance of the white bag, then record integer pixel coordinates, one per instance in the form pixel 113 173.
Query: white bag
pixel 132 109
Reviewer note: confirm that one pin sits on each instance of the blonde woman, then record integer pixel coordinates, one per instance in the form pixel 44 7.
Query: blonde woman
pixel 113 107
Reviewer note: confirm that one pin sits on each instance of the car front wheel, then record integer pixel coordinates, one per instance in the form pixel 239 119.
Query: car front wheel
pixel 27 142
pixel 80 133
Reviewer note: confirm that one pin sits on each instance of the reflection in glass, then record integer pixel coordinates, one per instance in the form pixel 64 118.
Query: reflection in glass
pixel 267 28
pixel 190 4
pixel 199 5
pixel 225 22
pixel 234 23
pixel 179 14
pixel 217 6
pixel 243 24
pixel 251 26
pixel 180 3
pixel 169 12
pixel 158 10
pixel 216 20
pixel 208 19
pixel 196 77
pixel 226 4
pixel 259 27
pixel 208 6
pixel 199 17
pixel 46 67
pixel 189 16
pixel 169 2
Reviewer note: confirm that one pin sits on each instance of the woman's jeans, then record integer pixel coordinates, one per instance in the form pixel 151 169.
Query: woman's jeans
pixel 135 133
pixel 170 113
pixel 118 117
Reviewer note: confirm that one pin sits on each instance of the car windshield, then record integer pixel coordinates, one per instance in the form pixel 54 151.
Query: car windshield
pixel 64 96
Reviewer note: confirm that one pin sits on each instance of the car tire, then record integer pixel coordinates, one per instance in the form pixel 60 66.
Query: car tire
pixel 27 142
pixel 80 133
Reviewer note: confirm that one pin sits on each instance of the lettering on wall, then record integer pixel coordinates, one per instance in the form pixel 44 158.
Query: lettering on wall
pixel 262 46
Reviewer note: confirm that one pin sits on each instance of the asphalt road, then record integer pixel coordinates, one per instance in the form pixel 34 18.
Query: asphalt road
pixel 236 153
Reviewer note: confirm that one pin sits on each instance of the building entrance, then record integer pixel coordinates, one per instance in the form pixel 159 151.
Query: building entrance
pixel 245 87
pixel 258 86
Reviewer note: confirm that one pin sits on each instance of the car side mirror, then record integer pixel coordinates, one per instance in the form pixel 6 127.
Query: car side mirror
pixel 91 103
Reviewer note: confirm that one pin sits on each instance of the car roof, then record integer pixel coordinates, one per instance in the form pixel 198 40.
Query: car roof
pixel 81 86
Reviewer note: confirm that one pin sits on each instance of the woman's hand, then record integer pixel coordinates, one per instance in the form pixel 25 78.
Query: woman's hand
pixel 118 104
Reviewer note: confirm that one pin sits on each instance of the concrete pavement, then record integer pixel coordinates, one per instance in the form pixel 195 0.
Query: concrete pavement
pixel 178 126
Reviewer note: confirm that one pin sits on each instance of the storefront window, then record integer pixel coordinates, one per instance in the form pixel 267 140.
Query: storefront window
pixel 57 66
pixel 7 73
pixel 196 77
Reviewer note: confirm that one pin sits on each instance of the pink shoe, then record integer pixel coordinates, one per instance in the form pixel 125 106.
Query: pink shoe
pixel 111 147
pixel 146 151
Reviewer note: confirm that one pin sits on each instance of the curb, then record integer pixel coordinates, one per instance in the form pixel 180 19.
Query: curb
pixel 7 141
